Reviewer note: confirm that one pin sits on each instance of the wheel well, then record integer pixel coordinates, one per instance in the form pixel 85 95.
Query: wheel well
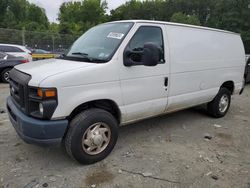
pixel 229 85
pixel 104 104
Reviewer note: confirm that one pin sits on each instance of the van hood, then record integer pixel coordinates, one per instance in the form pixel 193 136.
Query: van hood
pixel 40 70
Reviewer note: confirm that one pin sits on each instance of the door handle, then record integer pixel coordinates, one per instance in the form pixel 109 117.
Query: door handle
pixel 166 81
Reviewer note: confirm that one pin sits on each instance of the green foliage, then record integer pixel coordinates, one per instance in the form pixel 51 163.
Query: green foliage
pixel 54 27
pixel 9 19
pixel 186 19
pixel 76 17
pixel 17 14
pixel 38 15
pixel 150 10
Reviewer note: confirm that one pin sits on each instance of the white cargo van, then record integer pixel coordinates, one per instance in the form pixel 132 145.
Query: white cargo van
pixel 121 72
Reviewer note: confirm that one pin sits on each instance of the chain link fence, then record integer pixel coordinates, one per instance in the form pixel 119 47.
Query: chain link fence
pixel 48 41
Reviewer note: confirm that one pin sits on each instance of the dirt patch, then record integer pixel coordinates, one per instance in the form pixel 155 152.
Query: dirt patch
pixel 1 142
pixel 99 177
pixel 19 159
pixel 224 139
pixel 2 111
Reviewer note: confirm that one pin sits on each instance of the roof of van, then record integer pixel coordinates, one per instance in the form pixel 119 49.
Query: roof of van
pixel 177 24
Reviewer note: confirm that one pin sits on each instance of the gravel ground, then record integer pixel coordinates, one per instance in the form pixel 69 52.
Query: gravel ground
pixel 168 151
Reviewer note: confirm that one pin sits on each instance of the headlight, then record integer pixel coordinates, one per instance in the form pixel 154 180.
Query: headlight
pixel 41 108
pixel 42 102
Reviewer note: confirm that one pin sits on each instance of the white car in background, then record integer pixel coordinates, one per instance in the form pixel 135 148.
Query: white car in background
pixel 16 50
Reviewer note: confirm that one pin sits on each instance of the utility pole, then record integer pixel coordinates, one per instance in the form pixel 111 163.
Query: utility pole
pixel 53 42
pixel 23 36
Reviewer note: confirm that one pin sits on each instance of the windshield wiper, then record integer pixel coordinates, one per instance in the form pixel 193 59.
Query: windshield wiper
pixel 85 55
pixel 80 53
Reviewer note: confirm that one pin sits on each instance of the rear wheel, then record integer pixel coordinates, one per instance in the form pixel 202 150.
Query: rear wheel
pixel 219 106
pixel 91 136
pixel 5 75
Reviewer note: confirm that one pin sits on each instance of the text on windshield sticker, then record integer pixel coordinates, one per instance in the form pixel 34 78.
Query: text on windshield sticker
pixel 115 35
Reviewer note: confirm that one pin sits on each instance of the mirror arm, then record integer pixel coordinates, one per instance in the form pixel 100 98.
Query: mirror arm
pixel 128 62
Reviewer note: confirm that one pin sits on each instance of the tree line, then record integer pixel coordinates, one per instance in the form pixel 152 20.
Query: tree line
pixel 17 14
pixel 76 17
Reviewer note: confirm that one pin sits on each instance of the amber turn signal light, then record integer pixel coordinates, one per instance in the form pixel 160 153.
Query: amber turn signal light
pixel 46 93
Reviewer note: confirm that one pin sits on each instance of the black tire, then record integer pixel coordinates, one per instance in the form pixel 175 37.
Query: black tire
pixel 3 75
pixel 77 128
pixel 213 107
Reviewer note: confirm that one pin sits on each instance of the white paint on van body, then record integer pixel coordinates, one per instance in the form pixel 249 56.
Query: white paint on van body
pixel 198 61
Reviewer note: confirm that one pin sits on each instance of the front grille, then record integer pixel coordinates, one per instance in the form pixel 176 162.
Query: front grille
pixel 19 89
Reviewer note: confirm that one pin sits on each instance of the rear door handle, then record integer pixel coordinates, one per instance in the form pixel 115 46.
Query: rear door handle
pixel 166 81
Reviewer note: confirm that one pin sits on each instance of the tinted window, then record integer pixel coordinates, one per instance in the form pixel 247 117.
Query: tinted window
pixel 10 49
pixel 147 34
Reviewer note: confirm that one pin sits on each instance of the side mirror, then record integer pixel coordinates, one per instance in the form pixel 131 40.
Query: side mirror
pixel 148 56
pixel 151 54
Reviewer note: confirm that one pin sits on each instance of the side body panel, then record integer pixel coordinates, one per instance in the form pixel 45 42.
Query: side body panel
pixel 201 61
pixel 76 87
pixel 143 91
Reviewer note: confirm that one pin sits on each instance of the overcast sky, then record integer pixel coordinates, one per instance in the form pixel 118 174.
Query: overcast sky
pixel 52 6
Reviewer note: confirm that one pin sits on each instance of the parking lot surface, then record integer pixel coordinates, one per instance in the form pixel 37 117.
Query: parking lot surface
pixel 182 149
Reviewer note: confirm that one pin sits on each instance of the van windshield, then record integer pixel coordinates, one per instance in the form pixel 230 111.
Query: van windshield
pixel 99 44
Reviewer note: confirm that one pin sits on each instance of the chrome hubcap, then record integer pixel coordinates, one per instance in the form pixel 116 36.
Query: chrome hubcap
pixel 96 138
pixel 224 102
pixel 6 75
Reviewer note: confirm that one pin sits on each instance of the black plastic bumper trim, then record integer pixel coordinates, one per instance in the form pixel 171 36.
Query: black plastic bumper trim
pixel 34 131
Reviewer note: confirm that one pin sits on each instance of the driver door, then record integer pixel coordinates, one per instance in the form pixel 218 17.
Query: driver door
pixel 145 89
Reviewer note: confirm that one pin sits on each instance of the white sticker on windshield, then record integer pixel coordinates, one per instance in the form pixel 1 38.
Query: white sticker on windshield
pixel 115 35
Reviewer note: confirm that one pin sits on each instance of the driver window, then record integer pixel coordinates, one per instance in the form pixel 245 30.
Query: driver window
pixel 144 35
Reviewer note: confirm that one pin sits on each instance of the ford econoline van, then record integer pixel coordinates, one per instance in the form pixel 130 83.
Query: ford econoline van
pixel 121 72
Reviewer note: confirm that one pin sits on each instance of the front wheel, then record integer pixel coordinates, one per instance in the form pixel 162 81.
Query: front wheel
pixel 219 106
pixel 91 136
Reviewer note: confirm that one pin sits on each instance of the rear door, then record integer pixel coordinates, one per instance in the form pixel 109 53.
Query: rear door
pixel 145 89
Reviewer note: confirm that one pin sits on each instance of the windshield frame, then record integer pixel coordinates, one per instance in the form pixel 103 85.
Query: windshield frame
pixel 86 59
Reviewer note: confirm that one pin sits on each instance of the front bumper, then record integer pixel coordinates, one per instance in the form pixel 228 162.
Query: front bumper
pixel 34 131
